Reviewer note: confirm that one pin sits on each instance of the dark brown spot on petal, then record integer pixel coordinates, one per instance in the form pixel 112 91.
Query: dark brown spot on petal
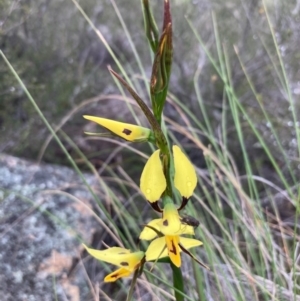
pixel 165 223
pixel 115 275
pixel 124 263
pixel 127 132
pixel 173 250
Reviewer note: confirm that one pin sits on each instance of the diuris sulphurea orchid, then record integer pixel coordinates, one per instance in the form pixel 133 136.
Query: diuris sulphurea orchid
pixel 127 131
pixel 153 182
pixel 167 174
pixel 170 243
pixel 127 261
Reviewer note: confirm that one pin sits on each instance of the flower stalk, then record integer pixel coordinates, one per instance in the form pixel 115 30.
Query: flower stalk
pixel 177 282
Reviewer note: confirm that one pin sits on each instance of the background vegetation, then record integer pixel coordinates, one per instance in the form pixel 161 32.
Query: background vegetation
pixel 233 105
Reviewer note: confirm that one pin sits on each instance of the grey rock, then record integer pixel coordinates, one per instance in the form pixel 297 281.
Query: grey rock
pixel 41 228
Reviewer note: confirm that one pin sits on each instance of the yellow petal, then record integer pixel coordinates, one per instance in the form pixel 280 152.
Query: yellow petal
pixel 157 249
pixel 117 256
pixel 184 229
pixel 190 242
pixel 148 233
pixel 153 182
pixel 170 223
pixel 117 274
pixel 173 249
pixel 185 178
pixel 129 132
pixel 107 252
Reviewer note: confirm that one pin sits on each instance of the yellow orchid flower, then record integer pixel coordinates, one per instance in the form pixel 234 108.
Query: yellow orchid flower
pixel 171 246
pixel 153 181
pixel 171 243
pixel 127 131
pixel 123 258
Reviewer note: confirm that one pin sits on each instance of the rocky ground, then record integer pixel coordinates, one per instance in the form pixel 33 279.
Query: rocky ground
pixel 45 213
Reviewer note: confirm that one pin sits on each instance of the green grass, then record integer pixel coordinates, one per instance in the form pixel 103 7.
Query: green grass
pixel 252 253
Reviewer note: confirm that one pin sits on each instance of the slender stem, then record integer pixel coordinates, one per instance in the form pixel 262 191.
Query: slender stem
pixel 133 282
pixel 177 282
pixel 166 167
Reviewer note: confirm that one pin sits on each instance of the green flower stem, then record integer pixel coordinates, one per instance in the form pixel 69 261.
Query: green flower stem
pixel 166 200
pixel 161 71
pixel 166 159
pixel 177 282
pixel 133 282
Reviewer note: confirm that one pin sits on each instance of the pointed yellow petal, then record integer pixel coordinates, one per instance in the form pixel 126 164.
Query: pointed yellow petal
pixel 147 233
pixel 173 249
pixel 127 131
pixel 106 252
pixel 117 256
pixel 185 178
pixel 157 249
pixel 190 242
pixel 170 223
pixel 163 246
pixel 153 182
pixel 117 274
pixel 109 251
